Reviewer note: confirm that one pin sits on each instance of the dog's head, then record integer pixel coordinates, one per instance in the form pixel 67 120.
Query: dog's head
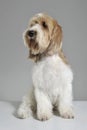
pixel 43 36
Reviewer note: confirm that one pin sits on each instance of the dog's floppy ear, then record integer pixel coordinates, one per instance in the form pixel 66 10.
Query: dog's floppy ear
pixel 57 35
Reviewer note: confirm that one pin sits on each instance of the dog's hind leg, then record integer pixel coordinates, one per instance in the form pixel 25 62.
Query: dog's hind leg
pixel 27 106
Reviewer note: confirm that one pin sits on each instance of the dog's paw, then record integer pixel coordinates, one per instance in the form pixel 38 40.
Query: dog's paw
pixel 22 114
pixel 44 116
pixel 67 114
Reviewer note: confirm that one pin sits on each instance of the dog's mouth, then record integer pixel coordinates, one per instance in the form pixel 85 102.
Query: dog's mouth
pixel 33 43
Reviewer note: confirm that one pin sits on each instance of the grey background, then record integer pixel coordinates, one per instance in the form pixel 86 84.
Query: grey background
pixel 15 68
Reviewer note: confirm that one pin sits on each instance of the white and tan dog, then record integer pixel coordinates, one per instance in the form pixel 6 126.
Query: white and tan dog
pixel 52 76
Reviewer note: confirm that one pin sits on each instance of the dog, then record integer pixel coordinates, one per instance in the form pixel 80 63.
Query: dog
pixel 52 75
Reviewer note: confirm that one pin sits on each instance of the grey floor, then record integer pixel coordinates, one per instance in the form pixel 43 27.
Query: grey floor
pixel 8 120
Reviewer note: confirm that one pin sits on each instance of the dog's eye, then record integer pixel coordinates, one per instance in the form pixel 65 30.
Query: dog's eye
pixel 36 22
pixel 44 24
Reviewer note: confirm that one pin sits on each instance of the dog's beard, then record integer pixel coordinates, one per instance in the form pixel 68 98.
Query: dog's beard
pixel 34 50
pixel 34 46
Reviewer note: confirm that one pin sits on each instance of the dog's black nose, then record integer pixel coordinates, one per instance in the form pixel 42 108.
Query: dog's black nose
pixel 31 33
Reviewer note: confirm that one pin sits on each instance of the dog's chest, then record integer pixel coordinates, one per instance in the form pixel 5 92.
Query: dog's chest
pixel 50 73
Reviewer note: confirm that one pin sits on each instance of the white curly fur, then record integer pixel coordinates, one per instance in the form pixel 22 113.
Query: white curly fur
pixel 52 80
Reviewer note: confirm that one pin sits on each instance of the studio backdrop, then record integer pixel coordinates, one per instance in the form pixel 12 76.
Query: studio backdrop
pixel 16 68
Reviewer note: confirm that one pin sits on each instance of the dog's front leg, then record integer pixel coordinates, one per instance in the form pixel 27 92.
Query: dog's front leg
pixel 65 103
pixel 44 106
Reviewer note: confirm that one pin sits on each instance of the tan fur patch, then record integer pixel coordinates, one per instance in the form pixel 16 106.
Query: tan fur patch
pixel 62 56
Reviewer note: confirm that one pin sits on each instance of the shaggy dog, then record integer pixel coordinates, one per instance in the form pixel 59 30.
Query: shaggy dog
pixel 52 76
